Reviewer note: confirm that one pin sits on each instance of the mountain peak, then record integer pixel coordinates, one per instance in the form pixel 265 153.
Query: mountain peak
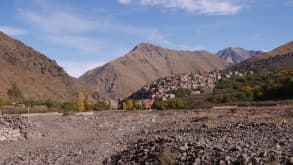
pixel 144 44
pixel 236 55
pixel 144 64
pixel 144 47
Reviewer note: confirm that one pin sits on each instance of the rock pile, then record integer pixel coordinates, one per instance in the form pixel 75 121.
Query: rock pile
pixel 239 143
pixel 9 134
pixel 13 128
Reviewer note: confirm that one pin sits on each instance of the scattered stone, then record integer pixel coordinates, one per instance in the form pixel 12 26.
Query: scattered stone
pixel 13 128
pixel 245 145
pixel 291 160
pixel 197 161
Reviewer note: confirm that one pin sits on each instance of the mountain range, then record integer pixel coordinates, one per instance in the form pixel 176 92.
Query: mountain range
pixel 236 55
pixel 277 59
pixel 41 78
pixel 144 64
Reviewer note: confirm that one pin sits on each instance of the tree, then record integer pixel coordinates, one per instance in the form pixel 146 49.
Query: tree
pixel 4 102
pixel 124 106
pixel 80 101
pixel 130 104
pixel 138 104
pixel 15 94
pixel 181 92
pixel 110 107
pixel 53 104
pixel 69 107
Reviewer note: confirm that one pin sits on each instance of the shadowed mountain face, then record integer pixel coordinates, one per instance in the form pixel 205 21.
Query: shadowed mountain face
pixel 277 59
pixel 38 77
pixel 236 55
pixel 144 64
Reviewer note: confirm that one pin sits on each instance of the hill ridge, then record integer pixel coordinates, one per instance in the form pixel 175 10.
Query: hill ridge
pixel 38 77
pixel 277 59
pixel 145 63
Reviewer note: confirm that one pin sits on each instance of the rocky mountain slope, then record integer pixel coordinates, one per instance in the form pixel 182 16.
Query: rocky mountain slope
pixel 279 58
pixel 144 64
pixel 236 55
pixel 38 77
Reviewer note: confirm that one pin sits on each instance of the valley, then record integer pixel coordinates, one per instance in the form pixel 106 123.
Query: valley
pixel 152 106
pixel 235 135
pixel 146 82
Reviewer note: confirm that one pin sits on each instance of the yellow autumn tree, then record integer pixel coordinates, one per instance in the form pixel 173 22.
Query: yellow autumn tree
pixel 80 101
pixel 110 106
pixel 124 106
pixel 130 104
pixel 246 88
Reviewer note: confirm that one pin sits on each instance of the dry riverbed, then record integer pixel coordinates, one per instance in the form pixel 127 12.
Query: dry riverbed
pixel 253 135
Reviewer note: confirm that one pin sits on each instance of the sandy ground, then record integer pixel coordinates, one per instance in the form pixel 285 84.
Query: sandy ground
pixel 102 136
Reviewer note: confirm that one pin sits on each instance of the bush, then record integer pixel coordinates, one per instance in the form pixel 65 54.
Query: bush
pixel 53 104
pixel 132 105
pixel 32 103
pixel 89 106
pixel 69 107
pixel 100 105
pixel 4 102
pixel 15 94
pixel 168 104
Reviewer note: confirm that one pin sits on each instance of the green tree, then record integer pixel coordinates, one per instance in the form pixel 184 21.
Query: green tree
pixel 101 105
pixel 168 104
pixel 181 92
pixel 53 104
pixel 69 107
pixel 15 94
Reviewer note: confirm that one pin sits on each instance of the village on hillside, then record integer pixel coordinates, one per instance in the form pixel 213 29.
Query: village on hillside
pixel 196 83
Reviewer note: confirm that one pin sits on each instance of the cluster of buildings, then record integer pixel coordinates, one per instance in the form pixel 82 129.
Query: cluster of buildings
pixel 197 83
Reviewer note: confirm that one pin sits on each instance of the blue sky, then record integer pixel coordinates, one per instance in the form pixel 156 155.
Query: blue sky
pixel 81 35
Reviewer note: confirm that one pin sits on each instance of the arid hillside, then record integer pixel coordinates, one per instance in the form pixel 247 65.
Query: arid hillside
pixel 144 64
pixel 38 77
pixel 279 58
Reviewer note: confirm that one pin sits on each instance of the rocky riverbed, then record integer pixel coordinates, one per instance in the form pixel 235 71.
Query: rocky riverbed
pixel 253 135
pixel 237 143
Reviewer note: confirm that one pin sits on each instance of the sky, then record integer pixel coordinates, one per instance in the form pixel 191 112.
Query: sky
pixel 84 34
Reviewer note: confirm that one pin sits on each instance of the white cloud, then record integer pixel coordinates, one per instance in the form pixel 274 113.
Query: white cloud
pixel 210 7
pixel 12 31
pixel 290 1
pixel 76 69
pixel 124 1
pixel 151 34
pixel 58 22
pixel 67 28
pixel 84 44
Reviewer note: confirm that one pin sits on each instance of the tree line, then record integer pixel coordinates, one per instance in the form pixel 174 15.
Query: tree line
pixel 276 85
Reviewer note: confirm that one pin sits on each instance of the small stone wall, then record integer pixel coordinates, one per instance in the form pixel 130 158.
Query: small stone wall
pixel 13 128
pixel 9 134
